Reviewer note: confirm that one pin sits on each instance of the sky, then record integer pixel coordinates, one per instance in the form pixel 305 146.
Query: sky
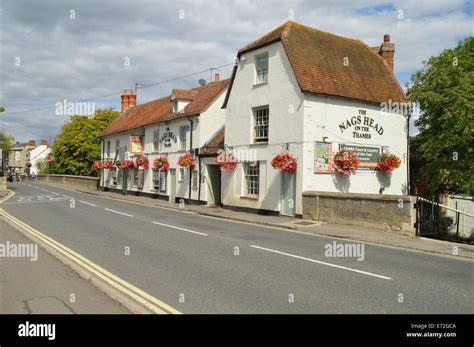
pixel 51 51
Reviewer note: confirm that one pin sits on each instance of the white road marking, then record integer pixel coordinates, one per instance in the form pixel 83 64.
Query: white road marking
pixel 44 190
pixel 55 193
pixel 323 263
pixel 68 197
pixel 87 203
pixel 189 231
pixel 125 214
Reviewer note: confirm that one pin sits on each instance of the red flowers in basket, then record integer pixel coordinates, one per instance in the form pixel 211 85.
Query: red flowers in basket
pixel 161 163
pixel 127 164
pixel 97 165
pixel 388 162
pixel 226 161
pixel 143 161
pixel 108 164
pixel 28 164
pixel 346 162
pixel 187 160
pixel 284 162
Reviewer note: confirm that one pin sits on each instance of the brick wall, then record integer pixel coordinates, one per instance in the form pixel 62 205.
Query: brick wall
pixel 390 212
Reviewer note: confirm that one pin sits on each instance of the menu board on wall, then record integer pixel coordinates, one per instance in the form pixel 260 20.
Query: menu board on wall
pixel 368 155
pixel 135 144
pixel 322 157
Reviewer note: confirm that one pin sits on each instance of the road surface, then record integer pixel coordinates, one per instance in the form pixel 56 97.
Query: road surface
pixel 199 264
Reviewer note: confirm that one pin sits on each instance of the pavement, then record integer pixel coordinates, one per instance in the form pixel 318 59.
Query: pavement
pixel 197 263
pixel 45 285
pixel 362 234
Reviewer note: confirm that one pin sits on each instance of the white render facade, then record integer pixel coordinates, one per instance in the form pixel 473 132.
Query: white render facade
pixel 296 122
pixel 172 138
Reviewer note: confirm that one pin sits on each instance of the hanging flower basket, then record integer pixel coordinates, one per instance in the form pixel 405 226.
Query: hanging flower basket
pixel 388 162
pixel 226 161
pixel 97 165
pixel 346 162
pixel 108 165
pixel 28 164
pixel 142 161
pixel 49 158
pixel 161 163
pixel 187 160
pixel 284 162
pixel 127 164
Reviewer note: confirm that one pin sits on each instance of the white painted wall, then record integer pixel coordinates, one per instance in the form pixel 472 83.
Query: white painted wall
pixel 322 118
pixel 37 154
pixel 285 101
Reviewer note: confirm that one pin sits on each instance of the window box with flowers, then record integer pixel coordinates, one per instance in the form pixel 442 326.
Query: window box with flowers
pixel 161 163
pixel 187 160
pixel 127 164
pixel 346 162
pixel 108 165
pixel 226 161
pixel 97 165
pixel 388 162
pixel 284 162
pixel 142 161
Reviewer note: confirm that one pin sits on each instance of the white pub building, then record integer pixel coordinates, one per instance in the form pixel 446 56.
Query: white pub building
pixel 310 93
pixel 189 121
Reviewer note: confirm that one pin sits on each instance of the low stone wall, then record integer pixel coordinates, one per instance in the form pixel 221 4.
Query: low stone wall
pixel 390 212
pixel 77 181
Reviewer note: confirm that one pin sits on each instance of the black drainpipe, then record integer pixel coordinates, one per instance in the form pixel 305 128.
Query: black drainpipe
pixel 191 151
pixel 199 183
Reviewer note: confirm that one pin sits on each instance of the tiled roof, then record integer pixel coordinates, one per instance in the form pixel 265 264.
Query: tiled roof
pixel 215 143
pixel 184 94
pixel 162 109
pixel 318 57
pixel 141 115
pixel 204 96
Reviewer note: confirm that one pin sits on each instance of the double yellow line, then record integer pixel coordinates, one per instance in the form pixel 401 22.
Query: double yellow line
pixel 136 294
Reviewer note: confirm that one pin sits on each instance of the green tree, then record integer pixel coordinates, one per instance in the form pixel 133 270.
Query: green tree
pixel 78 143
pixel 443 150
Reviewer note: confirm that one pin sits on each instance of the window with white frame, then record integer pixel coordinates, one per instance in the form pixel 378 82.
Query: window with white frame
pixel 261 62
pixel 156 179
pixel 163 181
pixel 182 137
pixel 261 121
pixel 195 179
pixel 135 177
pixel 156 140
pixel 181 174
pixel 113 175
pixel 252 179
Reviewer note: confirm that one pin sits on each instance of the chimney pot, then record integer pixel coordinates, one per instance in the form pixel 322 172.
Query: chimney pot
pixel 386 38
pixel 217 77
pixel 44 142
pixel 125 100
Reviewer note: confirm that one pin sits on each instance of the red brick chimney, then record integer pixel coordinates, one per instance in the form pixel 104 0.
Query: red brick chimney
pixel 44 142
pixel 125 100
pixel 32 143
pixel 386 51
pixel 217 77
pixel 132 99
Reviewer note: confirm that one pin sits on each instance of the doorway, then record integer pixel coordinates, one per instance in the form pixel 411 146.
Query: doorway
pixel 288 194
pixel 214 185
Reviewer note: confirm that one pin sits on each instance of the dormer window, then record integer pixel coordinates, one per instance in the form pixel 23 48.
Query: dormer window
pixel 181 98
